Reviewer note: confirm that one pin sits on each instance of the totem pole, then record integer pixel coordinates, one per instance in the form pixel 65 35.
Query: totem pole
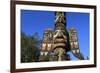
pixel 60 37
pixel 58 42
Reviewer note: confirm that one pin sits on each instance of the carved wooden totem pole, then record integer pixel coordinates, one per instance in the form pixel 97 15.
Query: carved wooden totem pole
pixel 56 44
pixel 60 37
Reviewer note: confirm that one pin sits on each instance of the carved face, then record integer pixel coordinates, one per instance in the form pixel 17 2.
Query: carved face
pixel 59 33
pixel 47 36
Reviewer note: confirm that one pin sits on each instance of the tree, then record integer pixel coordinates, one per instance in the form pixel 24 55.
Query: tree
pixel 30 47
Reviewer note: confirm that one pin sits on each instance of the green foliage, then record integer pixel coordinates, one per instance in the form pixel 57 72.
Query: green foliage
pixel 30 47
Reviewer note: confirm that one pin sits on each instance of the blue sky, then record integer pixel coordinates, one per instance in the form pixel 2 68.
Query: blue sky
pixel 36 21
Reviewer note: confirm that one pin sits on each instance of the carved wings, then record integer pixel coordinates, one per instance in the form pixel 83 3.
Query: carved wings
pixel 74 44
